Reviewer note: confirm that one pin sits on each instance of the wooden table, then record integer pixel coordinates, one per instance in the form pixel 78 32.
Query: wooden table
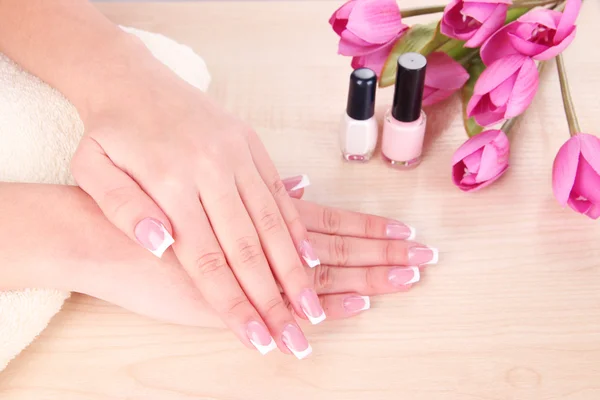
pixel 512 311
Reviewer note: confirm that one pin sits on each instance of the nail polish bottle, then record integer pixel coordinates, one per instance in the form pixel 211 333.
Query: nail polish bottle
pixel 358 130
pixel 404 124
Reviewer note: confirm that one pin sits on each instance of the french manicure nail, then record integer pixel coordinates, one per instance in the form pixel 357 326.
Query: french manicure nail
pixel 152 234
pixel 294 340
pixel 421 255
pixel 398 230
pixel 355 304
pixel 296 183
pixel 311 305
pixel 259 336
pixel 401 277
pixel 308 254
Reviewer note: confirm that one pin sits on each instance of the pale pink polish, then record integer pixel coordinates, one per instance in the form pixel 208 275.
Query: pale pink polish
pixel 296 183
pixel 296 342
pixel 404 276
pixel 259 336
pixel 359 130
pixel 152 234
pixel 404 124
pixel 422 255
pixel 308 254
pixel 398 230
pixel 354 304
pixel 311 305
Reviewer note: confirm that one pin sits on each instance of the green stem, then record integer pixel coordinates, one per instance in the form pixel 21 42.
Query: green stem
pixel 534 3
pixel 413 12
pixel 574 128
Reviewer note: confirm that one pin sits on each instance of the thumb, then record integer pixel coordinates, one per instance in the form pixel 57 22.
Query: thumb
pixel 120 198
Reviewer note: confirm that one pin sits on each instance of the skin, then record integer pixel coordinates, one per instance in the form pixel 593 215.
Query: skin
pixel 77 249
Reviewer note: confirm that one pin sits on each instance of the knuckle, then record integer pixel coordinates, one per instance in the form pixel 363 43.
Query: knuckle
pixel 331 220
pixel 370 283
pixel 274 306
pixel 250 251
pixel 370 225
pixel 211 264
pixel 236 305
pixel 295 274
pixel 118 200
pixel 323 278
pixel 270 220
pixel 277 187
pixel 389 252
pixel 340 250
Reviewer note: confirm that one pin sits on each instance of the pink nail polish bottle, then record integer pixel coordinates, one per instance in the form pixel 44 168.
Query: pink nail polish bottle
pixel 359 131
pixel 404 124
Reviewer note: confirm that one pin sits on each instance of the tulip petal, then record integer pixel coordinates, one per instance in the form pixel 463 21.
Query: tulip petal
pixel 339 19
pixel 556 50
pixel 352 45
pixel 444 73
pixel 499 45
pixel 587 182
pixel 569 16
pixel 524 90
pixel 593 212
pixel 494 158
pixel 375 21
pixel 473 161
pixel 484 111
pixel 479 11
pixel 473 144
pixel 526 47
pixel 491 180
pixel 453 21
pixel 435 96
pixel 548 18
pixel 375 60
pixel 501 94
pixel 494 21
pixel 498 72
pixel 590 149
pixel 564 169
pixel 578 205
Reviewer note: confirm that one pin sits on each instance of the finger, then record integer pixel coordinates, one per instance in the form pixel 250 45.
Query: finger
pixel 347 251
pixel 242 246
pixel 121 199
pixel 295 185
pixel 364 280
pixel 207 266
pixel 334 221
pixel 278 246
pixel 270 177
pixel 342 306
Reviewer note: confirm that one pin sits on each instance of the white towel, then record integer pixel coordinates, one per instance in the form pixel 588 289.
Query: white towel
pixel 39 132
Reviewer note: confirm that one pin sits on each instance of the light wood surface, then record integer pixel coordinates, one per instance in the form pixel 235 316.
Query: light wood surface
pixel 511 312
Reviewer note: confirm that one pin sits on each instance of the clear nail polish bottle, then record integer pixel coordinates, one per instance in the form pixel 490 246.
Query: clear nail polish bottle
pixel 404 124
pixel 358 130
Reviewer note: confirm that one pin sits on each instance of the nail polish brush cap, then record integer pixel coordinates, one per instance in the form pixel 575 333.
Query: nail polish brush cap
pixel 361 94
pixel 410 82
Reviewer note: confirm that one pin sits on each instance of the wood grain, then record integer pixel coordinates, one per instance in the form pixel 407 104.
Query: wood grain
pixel 512 311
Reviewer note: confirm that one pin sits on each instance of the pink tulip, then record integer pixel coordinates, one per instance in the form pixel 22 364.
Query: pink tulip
pixel 444 76
pixel 473 20
pixel 541 34
pixel 368 30
pixel 481 160
pixel 576 175
pixel 504 90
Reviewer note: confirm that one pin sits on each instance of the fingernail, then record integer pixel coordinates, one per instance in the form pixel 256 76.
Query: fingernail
pixel 309 301
pixel 398 230
pixel 296 182
pixel 259 336
pixel 401 277
pixel 294 340
pixel 308 254
pixel 421 255
pixel 152 234
pixel 355 304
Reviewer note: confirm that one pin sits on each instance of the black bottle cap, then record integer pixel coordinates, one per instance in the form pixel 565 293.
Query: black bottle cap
pixel 361 94
pixel 410 82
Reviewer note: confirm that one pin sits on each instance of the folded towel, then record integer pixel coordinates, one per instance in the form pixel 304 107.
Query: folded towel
pixel 39 132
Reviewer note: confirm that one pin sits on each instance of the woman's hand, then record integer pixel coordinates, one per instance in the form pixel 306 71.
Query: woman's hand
pixel 360 258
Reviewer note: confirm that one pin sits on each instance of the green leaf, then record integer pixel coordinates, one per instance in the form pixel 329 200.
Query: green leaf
pixel 514 13
pixel 423 39
pixel 475 69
